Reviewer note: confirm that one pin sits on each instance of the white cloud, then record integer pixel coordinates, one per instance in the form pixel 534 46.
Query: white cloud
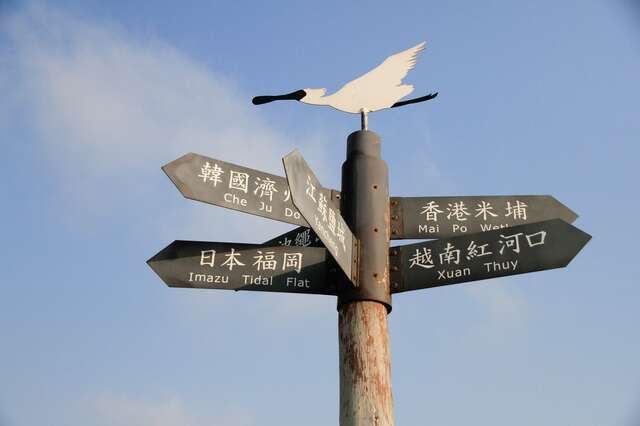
pixel 121 411
pixel 505 305
pixel 116 410
pixel 110 108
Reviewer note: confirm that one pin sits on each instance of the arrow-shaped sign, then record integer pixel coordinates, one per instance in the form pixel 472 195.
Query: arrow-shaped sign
pixel 516 250
pixel 323 217
pixel 437 217
pixel 235 187
pixel 235 266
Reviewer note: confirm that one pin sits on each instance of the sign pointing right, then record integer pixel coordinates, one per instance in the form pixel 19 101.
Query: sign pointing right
pixel 437 217
pixel 516 250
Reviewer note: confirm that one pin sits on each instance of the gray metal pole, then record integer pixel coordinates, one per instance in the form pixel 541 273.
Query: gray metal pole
pixel 365 361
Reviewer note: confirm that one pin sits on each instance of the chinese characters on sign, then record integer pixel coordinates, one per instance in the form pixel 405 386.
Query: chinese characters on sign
pixel 244 267
pixel 323 217
pixel 437 217
pixel 519 249
pixel 458 211
pixel 211 174
pixel 450 254
pixel 478 237
pixel 298 237
pixel 239 188
pixel 263 260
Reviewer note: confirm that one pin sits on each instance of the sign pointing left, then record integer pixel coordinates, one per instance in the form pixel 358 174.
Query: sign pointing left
pixel 235 187
pixel 236 266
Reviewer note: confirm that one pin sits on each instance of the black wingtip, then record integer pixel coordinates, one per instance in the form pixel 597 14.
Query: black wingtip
pixel 415 100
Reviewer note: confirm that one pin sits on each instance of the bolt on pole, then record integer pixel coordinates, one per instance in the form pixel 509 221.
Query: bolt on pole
pixel 365 360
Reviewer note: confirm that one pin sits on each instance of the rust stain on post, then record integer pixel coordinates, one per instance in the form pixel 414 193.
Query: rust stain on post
pixel 365 365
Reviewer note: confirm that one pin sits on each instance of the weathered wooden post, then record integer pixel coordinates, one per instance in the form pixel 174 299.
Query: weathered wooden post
pixel 365 361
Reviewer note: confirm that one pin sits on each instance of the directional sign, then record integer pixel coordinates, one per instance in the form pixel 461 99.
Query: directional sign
pixel 322 216
pixel 516 250
pixel 436 217
pixel 235 266
pixel 235 187
pixel 299 237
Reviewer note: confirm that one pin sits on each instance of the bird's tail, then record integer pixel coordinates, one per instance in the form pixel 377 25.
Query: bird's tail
pixel 415 100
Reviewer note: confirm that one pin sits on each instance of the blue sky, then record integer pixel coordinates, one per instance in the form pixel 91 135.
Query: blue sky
pixel 535 98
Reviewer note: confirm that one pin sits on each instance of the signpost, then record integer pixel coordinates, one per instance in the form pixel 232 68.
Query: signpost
pixel 476 237
pixel 437 217
pixel 235 187
pixel 235 266
pixel 322 216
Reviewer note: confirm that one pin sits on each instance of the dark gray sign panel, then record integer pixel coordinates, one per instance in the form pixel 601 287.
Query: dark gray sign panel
pixel 303 236
pixel 437 217
pixel 298 237
pixel 235 266
pixel 235 187
pixel 514 250
pixel 323 217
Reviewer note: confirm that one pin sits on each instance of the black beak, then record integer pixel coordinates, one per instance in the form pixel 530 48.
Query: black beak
pixel 293 96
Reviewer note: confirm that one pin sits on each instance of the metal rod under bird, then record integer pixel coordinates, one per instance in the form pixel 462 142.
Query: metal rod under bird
pixel 380 88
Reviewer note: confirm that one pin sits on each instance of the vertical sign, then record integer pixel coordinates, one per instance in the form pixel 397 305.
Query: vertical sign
pixel 310 199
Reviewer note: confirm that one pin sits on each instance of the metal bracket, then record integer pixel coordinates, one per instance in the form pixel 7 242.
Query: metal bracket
pixel 396 280
pixel 397 220
pixel 336 196
pixel 355 271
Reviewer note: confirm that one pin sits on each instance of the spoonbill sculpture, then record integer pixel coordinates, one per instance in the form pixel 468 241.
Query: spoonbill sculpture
pixel 380 88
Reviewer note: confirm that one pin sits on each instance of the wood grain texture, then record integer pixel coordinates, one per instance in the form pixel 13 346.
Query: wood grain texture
pixel 365 365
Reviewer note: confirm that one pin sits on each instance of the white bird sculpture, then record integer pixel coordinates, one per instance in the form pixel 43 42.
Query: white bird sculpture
pixel 380 88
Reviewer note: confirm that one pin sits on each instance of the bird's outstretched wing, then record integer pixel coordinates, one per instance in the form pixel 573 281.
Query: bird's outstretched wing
pixel 388 74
